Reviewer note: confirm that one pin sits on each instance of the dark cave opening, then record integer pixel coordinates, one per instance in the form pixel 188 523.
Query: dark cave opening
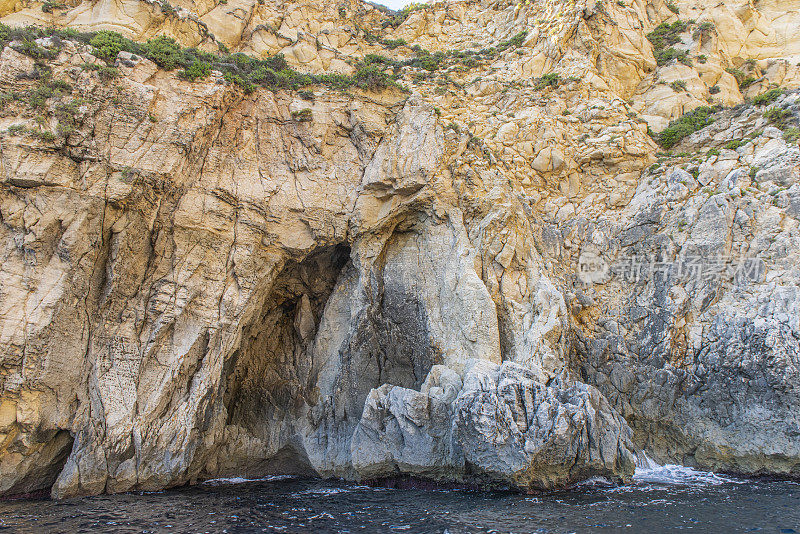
pixel 270 379
pixel 40 478
pixel 285 373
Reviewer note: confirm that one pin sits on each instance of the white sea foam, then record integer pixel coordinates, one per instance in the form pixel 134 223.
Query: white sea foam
pixel 241 480
pixel 324 491
pixel 648 471
pixel 597 482
pixel 678 474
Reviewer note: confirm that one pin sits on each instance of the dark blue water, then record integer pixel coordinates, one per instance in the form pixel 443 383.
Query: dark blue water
pixel 661 500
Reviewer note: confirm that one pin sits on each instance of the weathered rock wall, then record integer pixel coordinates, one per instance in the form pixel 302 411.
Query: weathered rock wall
pixel 196 283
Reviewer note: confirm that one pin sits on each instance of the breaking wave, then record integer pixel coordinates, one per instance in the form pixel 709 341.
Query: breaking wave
pixel 650 472
pixel 241 480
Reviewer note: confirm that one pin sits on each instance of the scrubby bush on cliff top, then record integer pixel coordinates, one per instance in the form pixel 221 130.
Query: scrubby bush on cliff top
pixel 239 69
pixel 400 16
pixel 425 60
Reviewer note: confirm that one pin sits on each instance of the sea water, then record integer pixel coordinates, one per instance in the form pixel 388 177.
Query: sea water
pixel 665 498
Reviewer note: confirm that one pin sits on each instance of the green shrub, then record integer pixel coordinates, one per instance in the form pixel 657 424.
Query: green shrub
pixel 426 60
pixel 46 88
pixel 791 135
pixel 66 110
pixel 734 144
pixel 167 8
pixel 678 85
pixel 391 44
pixel 686 125
pixel 372 78
pixel 377 59
pixel 104 72
pixel 49 6
pixel 712 152
pixel 71 34
pixel 33 50
pixel 165 52
pixel 400 16
pixel 663 37
pixel 38 96
pixel 106 45
pixel 665 34
pixel 65 130
pixel 66 113
pixel 302 115
pixel 704 28
pixel 28 35
pixel 514 42
pixel 44 135
pixel 198 70
pixel 107 73
pixel 673 7
pixel 60 85
pixel 551 79
pixel 235 79
pixel 714 89
pixel 238 69
pixel 742 80
pixel 702 59
pixel 665 56
pixel 778 117
pixel 768 97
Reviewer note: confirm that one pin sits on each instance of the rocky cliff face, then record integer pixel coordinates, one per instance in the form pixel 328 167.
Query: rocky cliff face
pixel 488 274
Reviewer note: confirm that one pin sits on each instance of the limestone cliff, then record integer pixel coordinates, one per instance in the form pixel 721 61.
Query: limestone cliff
pixel 452 251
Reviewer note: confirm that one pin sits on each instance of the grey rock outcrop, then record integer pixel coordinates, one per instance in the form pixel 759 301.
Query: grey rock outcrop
pixel 502 428
pixel 519 431
pixel 702 355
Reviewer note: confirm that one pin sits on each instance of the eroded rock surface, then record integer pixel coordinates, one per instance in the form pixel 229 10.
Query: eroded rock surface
pixel 502 427
pixel 197 283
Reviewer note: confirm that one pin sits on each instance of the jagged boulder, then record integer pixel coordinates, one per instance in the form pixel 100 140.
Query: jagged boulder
pixel 502 429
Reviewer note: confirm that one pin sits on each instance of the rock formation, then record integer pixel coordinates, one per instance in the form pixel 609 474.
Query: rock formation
pixel 483 272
